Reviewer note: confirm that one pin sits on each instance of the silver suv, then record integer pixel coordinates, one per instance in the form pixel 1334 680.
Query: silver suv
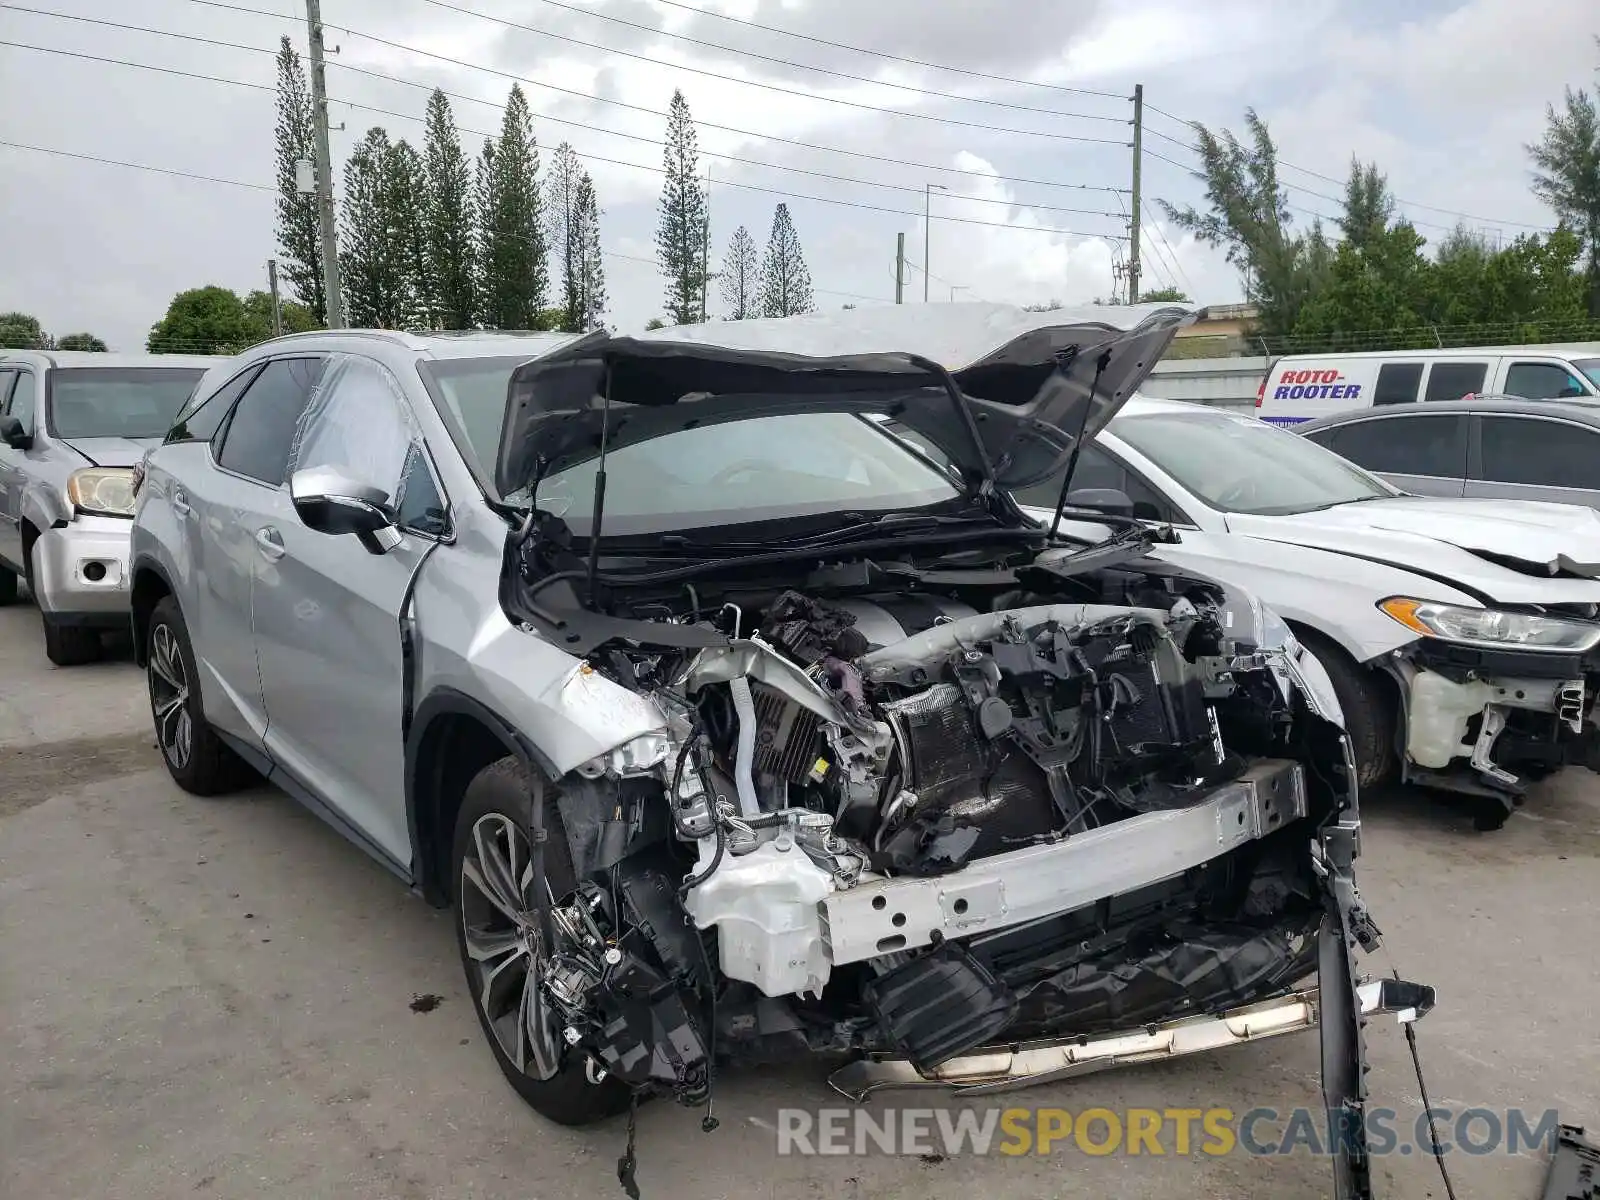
pixel 737 728
pixel 72 426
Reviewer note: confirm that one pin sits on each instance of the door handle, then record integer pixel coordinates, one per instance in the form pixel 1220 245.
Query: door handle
pixel 270 543
pixel 180 502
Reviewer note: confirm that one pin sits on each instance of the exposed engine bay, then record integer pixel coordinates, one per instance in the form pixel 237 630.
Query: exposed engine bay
pixel 914 823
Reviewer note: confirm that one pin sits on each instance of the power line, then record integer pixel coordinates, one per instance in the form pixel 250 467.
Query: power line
pixel 371 74
pixel 784 62
pixel 112 162
pixel 773 87
pixel 886 56
pixel 654 112
pixel 386 112
pixel 1171 252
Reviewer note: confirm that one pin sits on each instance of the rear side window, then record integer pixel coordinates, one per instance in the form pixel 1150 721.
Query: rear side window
pixel 1540 453
pixel 259 434
pixel 1542 381
pixel 1397 383
pixel 199 424
pixel 1419 445
pixel 1454 381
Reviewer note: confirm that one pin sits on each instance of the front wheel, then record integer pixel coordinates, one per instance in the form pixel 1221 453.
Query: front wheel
pixel 501 952
pixel 8 587
pixel 1369 716
pixel 198 760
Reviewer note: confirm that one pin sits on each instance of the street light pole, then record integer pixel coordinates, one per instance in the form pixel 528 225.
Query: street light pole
pixel 927 240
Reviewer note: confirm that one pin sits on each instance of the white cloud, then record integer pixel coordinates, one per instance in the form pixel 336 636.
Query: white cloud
pixel 1442 94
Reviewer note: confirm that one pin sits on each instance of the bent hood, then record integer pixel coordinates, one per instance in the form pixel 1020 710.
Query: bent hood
pixel 113 451
pixel 1514 551
pixel 1027 382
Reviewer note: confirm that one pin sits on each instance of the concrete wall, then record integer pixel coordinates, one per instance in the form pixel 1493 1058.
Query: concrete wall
pixel 1224 382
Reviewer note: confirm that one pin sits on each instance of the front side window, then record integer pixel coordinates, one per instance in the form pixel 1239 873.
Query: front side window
pixel 359 423
pixel 1238 465
pixel 1419 445
pixel 24 400
pixel 1540 453
pixel 1097 469
pixel 1455 381
pixel 1397 383
pixel 127 402
pixel 1542 381
pixel 259 434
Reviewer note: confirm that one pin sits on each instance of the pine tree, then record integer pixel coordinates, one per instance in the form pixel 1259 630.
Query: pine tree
pixel 450 220
pixel 590 271
pixel 378 291
pixel 515 269
pixel 483 205
pixel 682 231
pixel 405 202
pixel 785 282
pixel 299 236
pixel 741 275
pixel 561 204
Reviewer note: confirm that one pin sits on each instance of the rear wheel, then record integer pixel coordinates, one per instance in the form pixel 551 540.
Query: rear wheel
pixel 1369 716
pixel 197 759
pixel 498 933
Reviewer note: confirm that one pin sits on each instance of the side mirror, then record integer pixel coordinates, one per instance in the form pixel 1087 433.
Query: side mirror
pixel 1110 501
pixel 13 434
pixel 329 501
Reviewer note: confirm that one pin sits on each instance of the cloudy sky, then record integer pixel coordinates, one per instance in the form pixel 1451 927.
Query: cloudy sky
pixel 1021 116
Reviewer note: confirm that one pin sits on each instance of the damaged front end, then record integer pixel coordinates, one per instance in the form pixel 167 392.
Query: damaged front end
pixel 969 804
pixel 1495 700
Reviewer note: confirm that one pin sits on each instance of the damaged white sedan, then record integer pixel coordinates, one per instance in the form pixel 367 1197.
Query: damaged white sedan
pixel 1460 634
pixel 738 731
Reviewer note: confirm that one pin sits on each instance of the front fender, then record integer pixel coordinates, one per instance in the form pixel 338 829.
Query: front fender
pixel 44 507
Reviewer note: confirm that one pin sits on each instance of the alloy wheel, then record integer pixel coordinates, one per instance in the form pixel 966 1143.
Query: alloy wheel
pixel 169 697
pixel 500 928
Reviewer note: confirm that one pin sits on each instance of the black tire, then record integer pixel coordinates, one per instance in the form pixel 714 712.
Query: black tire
pixel 70 645
pixel 8 587
pixel 208 766
pixel 1369 716
pixel 505 789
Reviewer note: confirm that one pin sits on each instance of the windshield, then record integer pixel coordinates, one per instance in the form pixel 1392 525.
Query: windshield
pixel 129 402
pixel 1591 368
pixel 771 468
pixel 1238 465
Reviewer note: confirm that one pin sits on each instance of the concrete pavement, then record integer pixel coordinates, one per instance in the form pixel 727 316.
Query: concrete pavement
pixel 217 998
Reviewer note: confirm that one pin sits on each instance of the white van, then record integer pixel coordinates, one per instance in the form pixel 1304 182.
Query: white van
pixel 1302 386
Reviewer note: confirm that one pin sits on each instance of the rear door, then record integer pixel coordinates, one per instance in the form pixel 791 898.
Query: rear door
pixel 1535 458
pixel 228 508
pixel 1419 452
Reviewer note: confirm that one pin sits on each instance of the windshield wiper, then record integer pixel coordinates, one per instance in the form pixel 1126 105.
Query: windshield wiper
pixel 889 523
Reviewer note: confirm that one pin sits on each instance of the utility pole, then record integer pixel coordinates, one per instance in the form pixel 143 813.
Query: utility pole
pixel 705 256
pixel 277 305
pixel 900 268
pixel 927 223
pixel 324 169
pixel 1138 195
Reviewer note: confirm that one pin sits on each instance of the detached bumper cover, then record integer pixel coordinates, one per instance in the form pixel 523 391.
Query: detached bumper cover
pixel 1005 1068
